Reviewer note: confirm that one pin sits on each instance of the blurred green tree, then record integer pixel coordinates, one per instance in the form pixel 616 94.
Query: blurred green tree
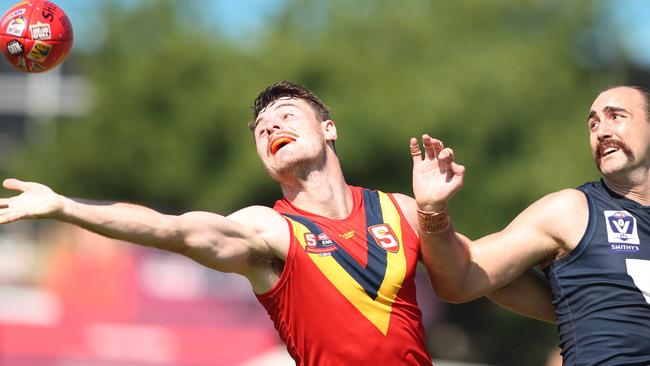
pixel 498 81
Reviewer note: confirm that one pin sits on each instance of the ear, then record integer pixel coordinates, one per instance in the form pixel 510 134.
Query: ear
pixel 329 130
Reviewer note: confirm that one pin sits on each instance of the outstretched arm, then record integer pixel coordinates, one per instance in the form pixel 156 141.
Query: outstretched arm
pixel 528 294
pixel 221 243
pixel 461 270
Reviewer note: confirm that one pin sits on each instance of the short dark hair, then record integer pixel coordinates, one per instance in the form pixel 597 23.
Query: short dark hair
pixel 287 89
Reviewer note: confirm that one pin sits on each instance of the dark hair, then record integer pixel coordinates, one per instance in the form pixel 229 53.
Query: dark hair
pixel 645 93
pixel 284 89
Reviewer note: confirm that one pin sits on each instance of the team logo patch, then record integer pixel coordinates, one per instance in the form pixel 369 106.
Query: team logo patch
pixel 622 231
pixel 385 237
pixel 319 244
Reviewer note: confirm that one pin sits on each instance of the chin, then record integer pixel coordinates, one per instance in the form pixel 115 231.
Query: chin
pixel 612 168
pixel 290 168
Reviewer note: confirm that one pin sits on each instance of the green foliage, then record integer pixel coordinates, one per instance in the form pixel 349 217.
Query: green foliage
pixel 495 80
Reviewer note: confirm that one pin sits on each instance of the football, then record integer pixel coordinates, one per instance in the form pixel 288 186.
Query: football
pixel 35 35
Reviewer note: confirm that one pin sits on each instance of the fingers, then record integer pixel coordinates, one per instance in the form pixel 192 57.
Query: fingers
pixel 432 147
pixel 14 184
pixel 458 169
pixel 435 149
pixel 415 150
pixel 446 156
pixel 9 216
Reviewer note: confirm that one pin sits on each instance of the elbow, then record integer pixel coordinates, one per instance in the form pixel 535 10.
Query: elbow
pixel 452 289
pixel 456 296
pixel 456 300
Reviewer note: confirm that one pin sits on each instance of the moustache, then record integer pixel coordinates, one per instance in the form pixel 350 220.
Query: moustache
pixel 609 143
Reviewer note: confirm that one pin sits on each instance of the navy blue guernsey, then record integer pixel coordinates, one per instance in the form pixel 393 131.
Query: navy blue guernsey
pixel 601 291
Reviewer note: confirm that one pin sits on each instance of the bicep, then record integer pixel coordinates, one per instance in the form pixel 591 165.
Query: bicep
pixel 536 235
pixel 224 243
pixel 505 255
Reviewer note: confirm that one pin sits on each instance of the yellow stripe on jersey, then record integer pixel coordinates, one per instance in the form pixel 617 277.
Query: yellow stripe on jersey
pixel 377 310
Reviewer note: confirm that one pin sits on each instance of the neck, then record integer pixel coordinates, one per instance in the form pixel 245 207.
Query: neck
pixel 323 192
pixel 635 186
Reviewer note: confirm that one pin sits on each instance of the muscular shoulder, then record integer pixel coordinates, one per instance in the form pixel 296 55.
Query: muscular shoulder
pixel 563 215
pixel 406 204
pixel 256 217
pixel 268 224
pixel 566 204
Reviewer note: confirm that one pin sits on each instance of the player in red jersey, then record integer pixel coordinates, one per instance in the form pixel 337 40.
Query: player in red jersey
pixel 332 264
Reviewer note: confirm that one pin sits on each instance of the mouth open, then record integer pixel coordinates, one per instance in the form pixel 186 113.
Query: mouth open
pixel 609 150
pixel 609 147
pixel 279 143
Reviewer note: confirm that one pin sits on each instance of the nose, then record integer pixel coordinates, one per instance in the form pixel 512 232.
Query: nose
pixel 604 130
pixel 271 127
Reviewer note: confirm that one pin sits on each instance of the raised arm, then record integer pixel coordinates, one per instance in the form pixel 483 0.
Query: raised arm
pixel 460 269
pixel 528 294
pixel 227 244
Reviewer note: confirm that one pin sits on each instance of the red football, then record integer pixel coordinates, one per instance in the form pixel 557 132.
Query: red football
pixel 35 35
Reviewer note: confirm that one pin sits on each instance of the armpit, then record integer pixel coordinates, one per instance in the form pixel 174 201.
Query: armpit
pixel 552 257
pixel 265 260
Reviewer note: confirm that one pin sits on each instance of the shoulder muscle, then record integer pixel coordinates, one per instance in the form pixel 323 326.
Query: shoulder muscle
pixel 560 216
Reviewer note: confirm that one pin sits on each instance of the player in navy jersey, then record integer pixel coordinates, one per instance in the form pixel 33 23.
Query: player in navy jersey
pixel 593 242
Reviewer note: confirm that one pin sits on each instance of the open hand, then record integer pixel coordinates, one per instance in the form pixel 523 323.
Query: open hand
pixel 35 201
pixel 436 177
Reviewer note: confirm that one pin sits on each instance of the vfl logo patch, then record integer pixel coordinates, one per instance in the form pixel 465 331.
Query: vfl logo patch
pixel 622 231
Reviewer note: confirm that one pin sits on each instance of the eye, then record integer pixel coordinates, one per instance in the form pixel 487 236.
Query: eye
pixel 592 124
pixel 617 116
pixel 286 115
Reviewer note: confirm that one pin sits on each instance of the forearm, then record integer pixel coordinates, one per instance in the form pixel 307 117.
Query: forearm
pixel 122 221
pixel 528 295
pixel 447 258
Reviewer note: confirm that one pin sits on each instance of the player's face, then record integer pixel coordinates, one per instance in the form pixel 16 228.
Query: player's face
pixel 289 136
pixel 619 131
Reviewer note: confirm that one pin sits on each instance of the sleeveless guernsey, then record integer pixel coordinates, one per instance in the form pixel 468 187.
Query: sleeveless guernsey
pixel 601 290
pixel 346 295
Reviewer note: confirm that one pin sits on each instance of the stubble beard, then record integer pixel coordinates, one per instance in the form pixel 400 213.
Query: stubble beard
pixel 298 170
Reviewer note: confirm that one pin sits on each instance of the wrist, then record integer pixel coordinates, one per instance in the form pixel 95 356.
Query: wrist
pixel 432 207
pixel 432 222
pixel 61 208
